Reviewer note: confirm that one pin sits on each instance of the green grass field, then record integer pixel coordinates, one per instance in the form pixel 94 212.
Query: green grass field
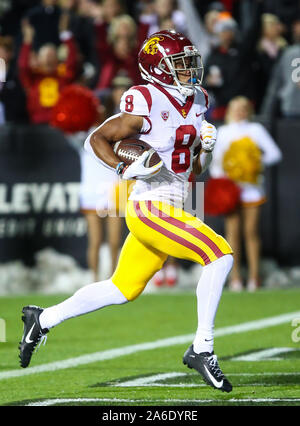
pixel 154 374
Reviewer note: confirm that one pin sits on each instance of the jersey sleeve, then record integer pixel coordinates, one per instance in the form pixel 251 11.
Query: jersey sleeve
pixel 137 101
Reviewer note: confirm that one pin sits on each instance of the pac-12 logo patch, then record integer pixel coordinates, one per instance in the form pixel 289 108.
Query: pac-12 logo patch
pixel 150 46
pixel 165 115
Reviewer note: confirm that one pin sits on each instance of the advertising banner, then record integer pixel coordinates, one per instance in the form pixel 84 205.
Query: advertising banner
pixel 39 194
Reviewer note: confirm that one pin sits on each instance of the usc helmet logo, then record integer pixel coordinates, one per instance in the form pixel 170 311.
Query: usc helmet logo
pixel 151 45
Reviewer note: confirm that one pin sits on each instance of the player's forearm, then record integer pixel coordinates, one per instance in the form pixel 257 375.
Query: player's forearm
pixel 114 129
pixel 103 149
pixel 202 162
pixel 196 165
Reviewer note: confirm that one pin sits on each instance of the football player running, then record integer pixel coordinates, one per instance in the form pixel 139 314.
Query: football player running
pixel 168 114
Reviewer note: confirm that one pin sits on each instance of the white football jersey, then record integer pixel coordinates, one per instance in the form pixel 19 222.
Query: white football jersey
pixel 172 128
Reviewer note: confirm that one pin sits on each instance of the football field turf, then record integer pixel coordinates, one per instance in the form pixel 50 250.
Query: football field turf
pixel 132 354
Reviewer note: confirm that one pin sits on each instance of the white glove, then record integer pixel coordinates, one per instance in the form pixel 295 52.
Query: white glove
pixel 137 170
pixel 208 136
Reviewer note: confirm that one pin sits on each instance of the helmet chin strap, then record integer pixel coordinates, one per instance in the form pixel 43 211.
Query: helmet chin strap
pixel 185 91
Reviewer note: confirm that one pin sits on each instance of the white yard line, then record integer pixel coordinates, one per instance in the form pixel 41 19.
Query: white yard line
pixel 274 373
pixel 162 343
pixel 151 381
pixel 48 402
pixel 264 355
pixel 257 324
pixel 148 381
pixel 188 385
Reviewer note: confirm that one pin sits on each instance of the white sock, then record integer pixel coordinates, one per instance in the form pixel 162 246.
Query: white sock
pixel 209 291
pixel 87 299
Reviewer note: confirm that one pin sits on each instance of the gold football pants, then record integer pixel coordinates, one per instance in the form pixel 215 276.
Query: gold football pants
pixel 158 230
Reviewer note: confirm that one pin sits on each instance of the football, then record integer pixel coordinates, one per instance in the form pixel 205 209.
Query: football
pixel 129 150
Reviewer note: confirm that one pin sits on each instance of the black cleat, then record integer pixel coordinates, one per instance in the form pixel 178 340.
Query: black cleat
pixel 207 365
pixel 32 335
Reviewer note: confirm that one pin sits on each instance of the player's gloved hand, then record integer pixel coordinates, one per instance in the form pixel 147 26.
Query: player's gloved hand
pixel 208 136
pixel 137 170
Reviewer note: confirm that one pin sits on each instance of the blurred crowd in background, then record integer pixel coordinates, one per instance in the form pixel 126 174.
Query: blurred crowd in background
pixel 247 47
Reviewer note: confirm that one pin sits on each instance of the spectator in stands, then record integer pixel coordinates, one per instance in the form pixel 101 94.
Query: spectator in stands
pixel 205 6
pixel 11 13
pixel 286 10
pixel 162 10
pixel 81 15
pixel 119 85
pixel 200 32
pixel 243 148
pixel 42 75
pixel 111 9
pixel 103 15
pixel 284 85
pixel 229 67
pixel 44 19
pixel 123 52
pixel 12 96
pixel 270 47
pixel 145 7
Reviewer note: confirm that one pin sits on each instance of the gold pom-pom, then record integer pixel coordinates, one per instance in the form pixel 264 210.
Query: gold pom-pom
pixel 242 161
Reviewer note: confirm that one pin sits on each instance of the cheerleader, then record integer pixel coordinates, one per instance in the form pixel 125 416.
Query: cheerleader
pixel 242 150
pixel 103 196
pixel 97 188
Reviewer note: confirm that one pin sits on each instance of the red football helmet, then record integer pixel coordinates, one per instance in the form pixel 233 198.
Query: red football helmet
pixel 165 54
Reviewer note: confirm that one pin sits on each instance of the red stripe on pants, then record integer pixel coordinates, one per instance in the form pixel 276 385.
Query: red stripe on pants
pixel 193 231
pixel 170 234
